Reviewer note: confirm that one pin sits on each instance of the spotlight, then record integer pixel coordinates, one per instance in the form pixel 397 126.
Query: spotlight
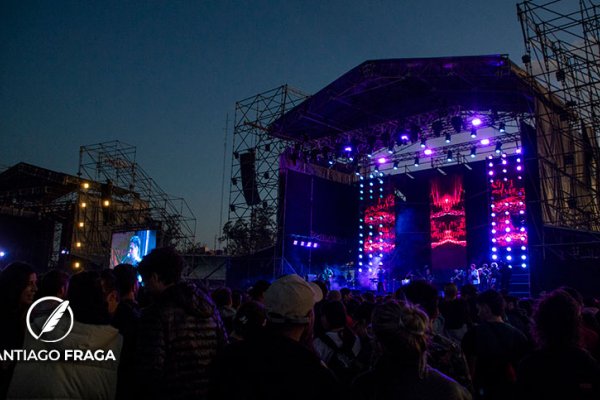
pixel 376 167
pixel 423 142
pixel 485 142
pixel 473 133
pixel 86 185
pixel 449 159
pixel 381 160
pixel 395 164
pixel 416 161
pixel 348 149
pixel 295 243
pixel 456 123
pixel 502 127
pixel 448 137
pixel 476 121
pixel 428 152
pixel 391 148
pixel 2 254
pixel 498 147
pixel 473 151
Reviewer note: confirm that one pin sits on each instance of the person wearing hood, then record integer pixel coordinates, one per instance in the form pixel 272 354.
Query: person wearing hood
pixel 179 333
pixel 71 378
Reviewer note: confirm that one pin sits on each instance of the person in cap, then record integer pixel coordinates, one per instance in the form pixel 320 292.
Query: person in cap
pixel 278 364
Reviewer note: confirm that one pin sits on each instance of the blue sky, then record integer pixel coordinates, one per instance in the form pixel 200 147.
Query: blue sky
pixel 164 75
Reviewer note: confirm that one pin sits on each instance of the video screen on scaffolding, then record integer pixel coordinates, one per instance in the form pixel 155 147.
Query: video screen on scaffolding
pixel 130 247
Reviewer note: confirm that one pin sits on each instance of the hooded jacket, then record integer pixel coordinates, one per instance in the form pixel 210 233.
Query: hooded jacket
pixel 69 379
pixel 179 336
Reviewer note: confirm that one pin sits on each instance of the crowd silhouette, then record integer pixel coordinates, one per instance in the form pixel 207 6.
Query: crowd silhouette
pixel 293 339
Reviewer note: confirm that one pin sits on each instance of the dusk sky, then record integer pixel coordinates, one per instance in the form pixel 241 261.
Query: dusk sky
pixel 164 75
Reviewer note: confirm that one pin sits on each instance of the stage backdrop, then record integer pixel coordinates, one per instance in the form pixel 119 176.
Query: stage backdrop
pixel 322 213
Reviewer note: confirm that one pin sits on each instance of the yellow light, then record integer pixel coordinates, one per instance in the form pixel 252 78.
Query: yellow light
pixel 78 244
pixel 83 205
pixel 76 265
pixel 81 224
pixel 86 185
pixel 106 203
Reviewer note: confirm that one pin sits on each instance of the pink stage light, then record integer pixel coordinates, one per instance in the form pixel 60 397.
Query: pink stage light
pixel 476 121
pixel 428 152
pixel 381 160
pixel 485 142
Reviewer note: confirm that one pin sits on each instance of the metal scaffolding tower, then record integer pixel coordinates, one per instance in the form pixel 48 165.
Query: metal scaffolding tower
pixel 118 195
pixel 563 61
pixel 254 186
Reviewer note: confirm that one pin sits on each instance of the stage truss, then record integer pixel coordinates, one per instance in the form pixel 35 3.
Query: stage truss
pixel 116 194
pixel 251 135
pixel 563 61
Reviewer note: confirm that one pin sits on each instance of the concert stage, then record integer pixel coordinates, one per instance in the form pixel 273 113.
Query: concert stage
pixel 413 168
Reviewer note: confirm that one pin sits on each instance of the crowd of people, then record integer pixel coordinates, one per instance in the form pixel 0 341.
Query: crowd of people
pixel 293 339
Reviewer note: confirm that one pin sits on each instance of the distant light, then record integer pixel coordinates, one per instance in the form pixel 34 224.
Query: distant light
pixel 382 160
pixel 309 244
pixel 301 243
pixel 295 243
pixel 76 265
pixel 395 164
pixel 448 137
pixel 404 138
pixel 449 157
pixel 78 244
pixel 502 127
pixel 523 265
pixel 2 254
pixel 519 150
pixel 428 152
pixel 498 147
pixel 473 151
pixel 86 185
pixel 485 142
pixel 509 257
pixel 491 173
pixel 81 224
pixel 315 245
pixel 423 142
pixel 106 203
pixel 476 121
pixel 360 270
pixel 473 133
pixel 494 257
pixel 348 149
pixel 83 205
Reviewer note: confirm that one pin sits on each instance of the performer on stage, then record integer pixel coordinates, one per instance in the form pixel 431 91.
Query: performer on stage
pixel 380 280
pixel 133 255
pixel 474 278
pixel 326 276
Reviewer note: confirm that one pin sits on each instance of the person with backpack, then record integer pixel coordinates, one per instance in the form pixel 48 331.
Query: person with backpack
pixel 338 346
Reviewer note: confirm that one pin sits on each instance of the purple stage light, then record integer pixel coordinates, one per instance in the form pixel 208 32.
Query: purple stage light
pixel 315 245
pixel 295 243
pixel 404 138
pixel 476 121
pixel 309 244
pixel 428 152
pixel 491 173
pixel 381 160
pixel 348 149
pixel 485 142
pixel 302 244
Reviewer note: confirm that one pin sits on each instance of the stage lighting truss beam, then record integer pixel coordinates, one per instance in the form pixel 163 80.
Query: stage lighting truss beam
pixel 135 202
pixel 253 117
pixel 563 59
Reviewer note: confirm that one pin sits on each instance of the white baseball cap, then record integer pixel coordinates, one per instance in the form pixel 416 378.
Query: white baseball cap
pixel 290 299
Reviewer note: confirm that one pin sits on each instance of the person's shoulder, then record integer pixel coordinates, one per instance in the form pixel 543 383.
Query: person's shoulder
pixel 441 383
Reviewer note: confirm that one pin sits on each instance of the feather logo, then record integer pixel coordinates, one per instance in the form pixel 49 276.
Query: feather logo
pixel 53 320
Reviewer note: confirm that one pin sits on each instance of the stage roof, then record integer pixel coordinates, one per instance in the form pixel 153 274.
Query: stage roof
pixel 379 91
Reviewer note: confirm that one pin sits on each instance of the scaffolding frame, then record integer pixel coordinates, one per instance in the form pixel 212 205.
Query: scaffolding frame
pixel 117 195
pixel 253 116
pixel 563 61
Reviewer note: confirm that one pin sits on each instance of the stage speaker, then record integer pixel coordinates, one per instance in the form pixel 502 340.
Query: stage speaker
pixel 248 172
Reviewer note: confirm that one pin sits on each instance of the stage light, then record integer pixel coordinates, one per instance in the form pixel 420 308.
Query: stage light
pixel 423 143
pixel 498 147
pixel 381 160
pixel 494 257
pixel 518 151
pixel 509 257
pixel 519 168
pixel 473 133
pixel 376 169
pixel 494 249
pixel 348 149
pixel 491 173
pixel 502 127
pixel 523 257
pixel 395 164
pixel 476 121
pixel 76 265
pixel 295 243
pixel 428 152
pixel 449 158
pixel 448 137
pixel 416 161
pixel 315 245
pixel 309 244
pixel 2 254
pixel 523 265
pixel 473 151
pixel 391 149
pixel 457 123
pixel 360 269
pixel 485 142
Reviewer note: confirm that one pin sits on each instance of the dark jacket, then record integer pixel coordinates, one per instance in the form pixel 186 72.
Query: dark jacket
pixel 179 336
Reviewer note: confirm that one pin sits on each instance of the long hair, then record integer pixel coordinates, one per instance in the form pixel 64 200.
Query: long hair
pixel 13 280
pixel 401 329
